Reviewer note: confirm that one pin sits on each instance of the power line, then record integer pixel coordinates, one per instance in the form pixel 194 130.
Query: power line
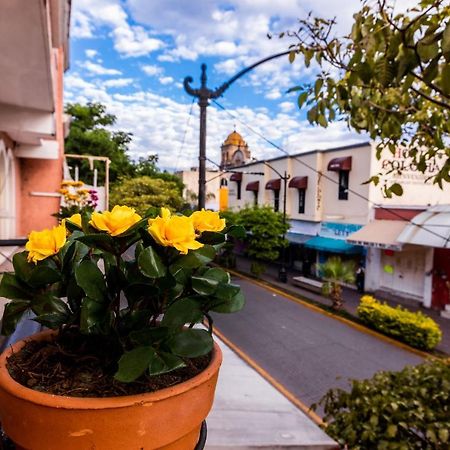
pixel 327 177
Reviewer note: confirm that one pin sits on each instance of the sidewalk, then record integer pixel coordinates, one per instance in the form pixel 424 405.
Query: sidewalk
pixel 351 297
pixel 248 413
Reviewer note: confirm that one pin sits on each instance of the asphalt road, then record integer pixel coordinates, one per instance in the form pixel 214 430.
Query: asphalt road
pixel 304 350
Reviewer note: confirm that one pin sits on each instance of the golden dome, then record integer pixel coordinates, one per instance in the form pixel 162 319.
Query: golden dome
pixel 235 139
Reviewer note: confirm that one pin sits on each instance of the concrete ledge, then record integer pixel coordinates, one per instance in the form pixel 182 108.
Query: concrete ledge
pixel 308 283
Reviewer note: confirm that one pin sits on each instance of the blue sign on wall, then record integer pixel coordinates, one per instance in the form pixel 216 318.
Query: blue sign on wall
pixel 338 230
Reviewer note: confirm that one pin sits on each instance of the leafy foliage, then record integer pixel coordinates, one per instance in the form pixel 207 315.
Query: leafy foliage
pixel 134 290
pixel 390 78
pixel 265 231
pixel 144 192
pixel 336 272
pixel 407 410
pixel 414 328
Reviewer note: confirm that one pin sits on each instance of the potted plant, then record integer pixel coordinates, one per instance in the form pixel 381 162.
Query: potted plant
pixel 123 365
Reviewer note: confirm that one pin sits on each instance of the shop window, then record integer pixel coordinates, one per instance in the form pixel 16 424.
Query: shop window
pixel 276 200
pixel 301 201
pixel 343 185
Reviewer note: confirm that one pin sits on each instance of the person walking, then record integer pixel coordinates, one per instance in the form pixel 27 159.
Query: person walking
pixel 360 275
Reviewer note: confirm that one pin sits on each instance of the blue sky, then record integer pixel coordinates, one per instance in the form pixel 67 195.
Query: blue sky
pixel 133 55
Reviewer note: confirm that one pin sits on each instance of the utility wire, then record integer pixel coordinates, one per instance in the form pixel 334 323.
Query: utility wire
pixel 185 133
pixel 327 177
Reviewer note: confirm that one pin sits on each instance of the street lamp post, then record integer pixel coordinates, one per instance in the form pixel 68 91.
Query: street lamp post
pixel 282 272
pixel 205 94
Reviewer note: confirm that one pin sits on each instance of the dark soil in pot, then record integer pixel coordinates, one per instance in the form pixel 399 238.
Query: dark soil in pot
pixel 84 366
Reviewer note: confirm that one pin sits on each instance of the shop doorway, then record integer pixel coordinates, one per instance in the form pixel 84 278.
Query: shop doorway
pixel 441 278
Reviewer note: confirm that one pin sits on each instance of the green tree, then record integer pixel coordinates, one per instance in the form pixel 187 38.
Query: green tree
pixel 90 135
pixel 265 229
pixel 336 272
pixel 145 192
pixel 390 78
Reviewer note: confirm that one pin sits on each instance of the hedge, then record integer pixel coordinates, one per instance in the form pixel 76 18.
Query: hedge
pixel 406 410
pixel 414 328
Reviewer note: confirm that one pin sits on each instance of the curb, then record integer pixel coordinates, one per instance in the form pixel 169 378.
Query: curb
pixel 348 322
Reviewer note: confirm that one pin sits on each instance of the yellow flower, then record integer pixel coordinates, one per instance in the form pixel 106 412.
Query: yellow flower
pixel 207 221
pixel 75 219
pixel 77 183
pixel 45 243
pixel 63 191
pixel 174 231
pixel 115 222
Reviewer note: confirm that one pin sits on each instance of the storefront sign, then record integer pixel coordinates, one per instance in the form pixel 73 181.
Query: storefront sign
pixel 337 230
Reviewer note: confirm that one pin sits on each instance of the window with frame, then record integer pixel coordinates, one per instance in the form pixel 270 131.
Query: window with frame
pixel 238 187
pixel 255 198
pixel 301 201
pixel 343 184
pixel 276 200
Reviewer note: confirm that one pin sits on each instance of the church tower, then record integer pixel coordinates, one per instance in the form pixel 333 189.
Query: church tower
pixel 235 151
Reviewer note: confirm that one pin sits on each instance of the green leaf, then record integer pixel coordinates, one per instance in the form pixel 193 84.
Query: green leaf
pixel 22 268
pixel 302 99
pixel 291 57
pixel 165 362
pixel 318 86
pixel 49 304
pixel 42 275
pixel 443 434
pixel 150 263
pixel 90 278
pixel 184 310
pixel 445 79
pixel 149 335
pixel 52 320
pixel 322 120
pixel 10 287
pixel 391 430
pixel 207 283
pixel 227 291
pixel 427 51
pixel 13 313
pixel 236 231
pixel 212 238
pixel 94 317
pixel 229 306
pixel 97 240
pixel 396 189
pixel 194 259
pixel 191 343
pixel 134 363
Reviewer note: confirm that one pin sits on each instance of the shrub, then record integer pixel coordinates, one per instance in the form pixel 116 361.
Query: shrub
pixel 414 328
pixel 407 410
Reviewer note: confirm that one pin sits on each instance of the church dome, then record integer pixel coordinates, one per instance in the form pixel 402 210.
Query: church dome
pixel 235 139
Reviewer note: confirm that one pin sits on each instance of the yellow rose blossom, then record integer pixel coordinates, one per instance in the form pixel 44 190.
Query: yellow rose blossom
pixel 207 221
pixel 174 231
pixel 115 222
pixel 75 219
pixel 45 243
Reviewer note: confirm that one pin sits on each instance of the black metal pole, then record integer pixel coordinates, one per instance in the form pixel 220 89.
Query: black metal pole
pixel 204 95
pixel 282 274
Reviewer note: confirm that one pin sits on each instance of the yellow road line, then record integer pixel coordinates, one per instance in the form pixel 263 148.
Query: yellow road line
pixel 348 322
pixel 277 385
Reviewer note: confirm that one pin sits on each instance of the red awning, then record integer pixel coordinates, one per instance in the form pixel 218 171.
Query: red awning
pixel 274 184
pixel 299 182
pixel 236 176
pixel 253 186
pixel 337 164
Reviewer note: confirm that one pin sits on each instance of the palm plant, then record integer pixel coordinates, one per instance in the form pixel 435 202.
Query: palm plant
pixel 336 272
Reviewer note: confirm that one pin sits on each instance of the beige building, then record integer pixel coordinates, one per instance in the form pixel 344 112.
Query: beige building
pixel 332 212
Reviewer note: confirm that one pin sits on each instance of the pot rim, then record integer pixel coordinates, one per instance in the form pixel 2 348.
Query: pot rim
pixel 85 403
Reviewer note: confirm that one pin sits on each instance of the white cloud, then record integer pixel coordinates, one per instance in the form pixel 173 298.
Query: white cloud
pixel 129 40
pixel 118 82
pixel 151 70
pixel 158 124
pixel 166 80
pixel 91 53
pixel 98 69
pixel 286 106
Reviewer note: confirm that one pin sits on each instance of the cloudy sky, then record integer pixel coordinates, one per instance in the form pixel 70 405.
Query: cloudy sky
pixel 132 55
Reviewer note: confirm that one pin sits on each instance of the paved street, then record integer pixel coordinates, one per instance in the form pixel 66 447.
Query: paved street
pixel 306 351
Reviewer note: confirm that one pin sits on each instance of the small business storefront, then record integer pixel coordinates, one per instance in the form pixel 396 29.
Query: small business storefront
pixel 331 241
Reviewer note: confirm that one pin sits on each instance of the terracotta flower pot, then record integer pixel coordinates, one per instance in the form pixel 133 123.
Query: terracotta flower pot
pixel 169 419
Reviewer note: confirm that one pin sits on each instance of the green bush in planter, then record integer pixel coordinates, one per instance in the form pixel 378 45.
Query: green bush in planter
pixel 407 410
pixel 414 328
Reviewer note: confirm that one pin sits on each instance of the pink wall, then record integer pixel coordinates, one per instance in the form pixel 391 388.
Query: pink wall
pixel 43 175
